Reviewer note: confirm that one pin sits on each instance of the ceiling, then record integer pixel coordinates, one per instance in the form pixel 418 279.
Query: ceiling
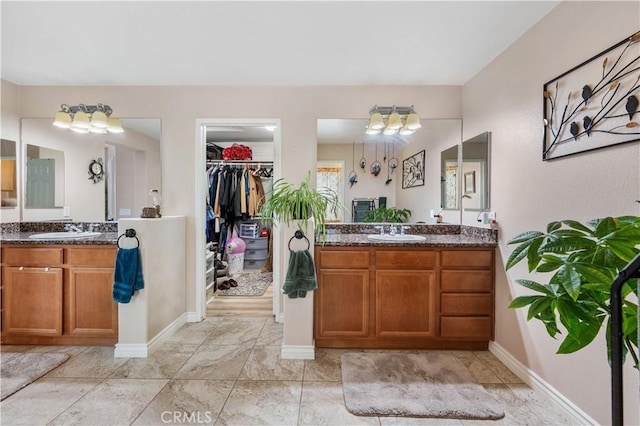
pixel 257 43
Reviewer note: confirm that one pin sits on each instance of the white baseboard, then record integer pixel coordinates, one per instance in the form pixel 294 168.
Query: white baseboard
pixel 193 317
pixel 130 350
pixel 298 352
pixel 142 350
pixel 280 317
pixel 539 384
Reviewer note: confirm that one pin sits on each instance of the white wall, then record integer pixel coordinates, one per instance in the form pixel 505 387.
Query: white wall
pixel 527 193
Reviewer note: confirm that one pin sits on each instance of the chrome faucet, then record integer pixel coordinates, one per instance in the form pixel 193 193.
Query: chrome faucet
pixel 72 228
pixel 402 229
pixel 392 230
pixel 92 226
pixel 381 228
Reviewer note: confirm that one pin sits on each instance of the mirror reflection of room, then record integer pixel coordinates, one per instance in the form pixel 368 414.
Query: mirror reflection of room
pixel 8 173
pixel 131 163
pixel 475 173
pixel 372 177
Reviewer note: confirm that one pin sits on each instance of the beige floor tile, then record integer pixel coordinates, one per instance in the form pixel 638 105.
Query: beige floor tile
pixel 481 372
pixel 516 412
pixel 235 332
pixel 498 368
pixel 262 403
pixel 112 402
pixel 326 366
pixel 42 401
pixel 265 363
pixel 271 334
pixel 322 403
pixel 96 361
pixel 193 333
pixel 215 362
pixel 187 402
pixel 163 363
pixel 539 404
pixel 422 421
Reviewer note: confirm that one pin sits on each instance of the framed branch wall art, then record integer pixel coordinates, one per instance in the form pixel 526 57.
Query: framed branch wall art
pixel 413 170
pixel 595 104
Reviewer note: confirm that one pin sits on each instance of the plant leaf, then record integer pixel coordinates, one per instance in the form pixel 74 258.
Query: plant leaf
pixel 568 244
pixel 570 280
pixel 518 254
pixel 604 227
pixel 576 225
pixel 593 273
pixel 537 307
pixel 522 301
pixel 553 226
pixel 525 236
pixel 540 288
pixel 579 338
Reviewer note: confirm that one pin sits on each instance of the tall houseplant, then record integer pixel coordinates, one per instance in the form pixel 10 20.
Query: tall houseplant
pixel 288 203
pixel 584 259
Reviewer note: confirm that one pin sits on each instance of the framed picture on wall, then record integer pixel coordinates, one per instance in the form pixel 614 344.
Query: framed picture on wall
pixel 413 170
pixel 470 182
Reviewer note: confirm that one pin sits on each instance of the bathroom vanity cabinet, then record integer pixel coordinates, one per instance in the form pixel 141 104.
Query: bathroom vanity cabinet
pixel 404 297
pixel 58 294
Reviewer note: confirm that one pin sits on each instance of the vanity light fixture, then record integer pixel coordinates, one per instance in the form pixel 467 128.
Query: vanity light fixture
pixel 87 119
pixel 390 120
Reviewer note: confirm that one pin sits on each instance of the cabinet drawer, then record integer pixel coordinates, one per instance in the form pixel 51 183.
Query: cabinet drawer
pixel 477 281
pixel 478 328
pixel 88 256
pixel 344 259
pixel 406 259
pixel 467 258
pixel 466 304
pixel 256 243
pixel 256 254
pixel 32 256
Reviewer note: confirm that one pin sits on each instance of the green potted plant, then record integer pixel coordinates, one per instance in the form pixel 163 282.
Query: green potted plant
pixel 288 203
pixel 582 260
pixel 387 214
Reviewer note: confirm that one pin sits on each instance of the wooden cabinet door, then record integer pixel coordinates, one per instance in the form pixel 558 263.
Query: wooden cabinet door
pixel 32 301
pixel 342 303
pixel 405 304
pixel 90 309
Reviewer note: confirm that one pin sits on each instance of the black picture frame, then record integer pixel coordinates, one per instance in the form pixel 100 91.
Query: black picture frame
pixel 595 104
pixel 413 170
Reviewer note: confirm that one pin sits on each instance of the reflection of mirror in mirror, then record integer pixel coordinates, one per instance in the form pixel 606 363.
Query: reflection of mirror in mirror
pixel 131 165
pixel 475 169
pixel 449 178
pixel 8 173
pixel 44 183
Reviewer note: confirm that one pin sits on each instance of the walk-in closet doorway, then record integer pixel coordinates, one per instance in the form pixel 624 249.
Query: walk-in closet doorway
pixel 263 136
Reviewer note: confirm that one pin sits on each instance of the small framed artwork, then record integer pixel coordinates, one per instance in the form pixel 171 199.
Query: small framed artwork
pixel 413 170
pixel 470 182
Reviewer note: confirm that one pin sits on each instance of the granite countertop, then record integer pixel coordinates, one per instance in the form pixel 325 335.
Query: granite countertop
pixel 19 232
pixel 22 238
pixel 441 235
pixel 432 240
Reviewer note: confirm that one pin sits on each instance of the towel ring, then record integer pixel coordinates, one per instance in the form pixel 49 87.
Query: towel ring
pixel 299 235
pixel 129 233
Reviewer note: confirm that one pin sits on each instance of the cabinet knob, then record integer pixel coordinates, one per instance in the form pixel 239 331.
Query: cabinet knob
pixel 21 268
pixel 46 269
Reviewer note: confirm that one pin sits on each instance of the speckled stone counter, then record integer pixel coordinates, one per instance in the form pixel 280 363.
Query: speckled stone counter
pixel 351 235
pixel 19 233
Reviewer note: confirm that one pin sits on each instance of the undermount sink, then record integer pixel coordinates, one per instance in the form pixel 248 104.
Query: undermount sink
pixel 396 238
pixel 64 235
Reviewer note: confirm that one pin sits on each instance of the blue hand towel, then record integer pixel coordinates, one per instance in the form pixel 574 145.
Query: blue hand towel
pixel 127 275
pixel 301 275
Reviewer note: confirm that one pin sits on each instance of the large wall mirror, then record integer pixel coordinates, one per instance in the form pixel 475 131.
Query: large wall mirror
pixel 57 182
pixel 8 173
pixel 343 142
pixel 475 172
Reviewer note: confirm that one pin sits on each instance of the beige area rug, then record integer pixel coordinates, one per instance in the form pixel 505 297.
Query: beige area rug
pixel 18 369
pixel 414 385
pixel 249 284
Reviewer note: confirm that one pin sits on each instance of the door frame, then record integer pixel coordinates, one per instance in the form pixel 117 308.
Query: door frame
pixel 200 205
